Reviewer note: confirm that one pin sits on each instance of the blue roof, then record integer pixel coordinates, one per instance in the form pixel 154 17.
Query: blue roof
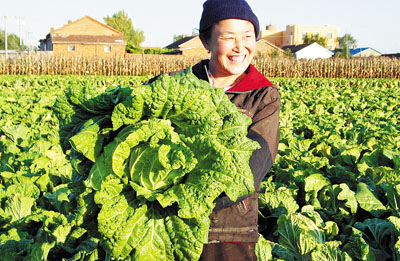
pixel 357 50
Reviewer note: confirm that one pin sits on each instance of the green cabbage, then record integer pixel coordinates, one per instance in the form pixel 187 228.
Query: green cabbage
pixel 157 157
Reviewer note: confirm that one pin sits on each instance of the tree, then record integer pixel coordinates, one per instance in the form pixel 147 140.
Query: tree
pixel 121 22
pixel 345 43
pixel 312 38
pixel 289 53
pixel 12 42
pixel 178 37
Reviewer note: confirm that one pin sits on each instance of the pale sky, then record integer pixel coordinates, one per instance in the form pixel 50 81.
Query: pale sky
pixel 373 23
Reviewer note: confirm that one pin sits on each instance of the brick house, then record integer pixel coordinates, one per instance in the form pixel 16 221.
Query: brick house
pixel 84 37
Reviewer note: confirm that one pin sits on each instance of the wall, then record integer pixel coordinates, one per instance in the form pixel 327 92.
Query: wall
pixel 296 33
pixel 87 26
pixel 88 50
pixel 293 35
pixel 312 52
pixel 264 48
pixel 274 37
pixel 195 52
pixel 368 53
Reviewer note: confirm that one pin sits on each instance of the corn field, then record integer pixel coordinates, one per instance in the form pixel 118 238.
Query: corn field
pixel 142 65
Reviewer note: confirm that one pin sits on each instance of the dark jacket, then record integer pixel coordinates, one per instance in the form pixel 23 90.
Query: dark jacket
pixel 258 98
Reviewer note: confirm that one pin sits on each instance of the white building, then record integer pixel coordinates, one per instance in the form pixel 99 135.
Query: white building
pixel 309 51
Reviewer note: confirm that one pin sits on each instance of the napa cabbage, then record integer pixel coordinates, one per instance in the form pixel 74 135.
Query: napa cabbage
pixel 157 157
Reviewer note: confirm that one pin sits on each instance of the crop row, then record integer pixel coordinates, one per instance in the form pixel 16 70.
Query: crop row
pixel 62 81
pixel 140 65
pixel 332 194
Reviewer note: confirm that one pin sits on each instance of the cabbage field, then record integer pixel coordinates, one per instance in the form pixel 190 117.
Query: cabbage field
pixel 333 193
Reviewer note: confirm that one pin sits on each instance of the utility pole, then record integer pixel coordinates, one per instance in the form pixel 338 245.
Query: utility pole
pixel 19 23
pixel 29 41
pixel 5 35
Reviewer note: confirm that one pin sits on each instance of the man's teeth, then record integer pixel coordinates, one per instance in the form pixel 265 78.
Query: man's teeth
pixel 237 58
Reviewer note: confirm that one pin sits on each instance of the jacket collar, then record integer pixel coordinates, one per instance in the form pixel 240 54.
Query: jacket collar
pixel 252 81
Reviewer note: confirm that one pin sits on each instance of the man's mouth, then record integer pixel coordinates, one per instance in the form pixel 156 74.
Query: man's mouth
pixel 237 58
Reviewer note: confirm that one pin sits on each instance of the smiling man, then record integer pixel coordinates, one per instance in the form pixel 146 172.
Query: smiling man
pixel 229 31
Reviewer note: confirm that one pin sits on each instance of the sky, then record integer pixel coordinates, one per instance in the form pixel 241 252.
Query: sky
pixel 373 23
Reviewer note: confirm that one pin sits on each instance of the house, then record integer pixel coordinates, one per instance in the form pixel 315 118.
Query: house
pixel 295 34
pixel 309 51
pixel 364 52
pixel 391 55
pixel 192 45
pixel 267 48
pixel 84 37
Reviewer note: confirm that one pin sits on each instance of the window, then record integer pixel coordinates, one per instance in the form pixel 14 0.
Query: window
pixel 71 48
pixel 107 49
pixel 329 35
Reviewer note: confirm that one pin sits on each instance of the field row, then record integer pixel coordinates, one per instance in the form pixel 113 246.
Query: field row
pixel 333 193
pixel 135 65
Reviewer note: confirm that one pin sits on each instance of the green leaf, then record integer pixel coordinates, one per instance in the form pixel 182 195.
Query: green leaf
pixel 368 201
pixel 315 182
pixel 349 197
pixel 279 200
pixel 393 196
pixel 379 234
pixel 19 206
pixel 295 235
pixel 88 140
pixel 27 189
pixel 132 229
pixel 396 222
pixel 131 110
pixel 330 251
pixel 263 249
pixel 187 235
pixel 99 171
pixel 339 199
pixel 17 133
pixel 155 168
pixel 357 248
pixel 40 251
pixel 60 195
pixel 397 248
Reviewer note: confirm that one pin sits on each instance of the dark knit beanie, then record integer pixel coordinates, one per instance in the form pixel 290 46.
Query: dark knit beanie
pixel 217 10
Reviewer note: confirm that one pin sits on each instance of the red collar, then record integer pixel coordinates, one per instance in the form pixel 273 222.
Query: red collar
pixel 252 81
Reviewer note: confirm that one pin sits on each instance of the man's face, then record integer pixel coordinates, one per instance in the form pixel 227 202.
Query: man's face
pixel 232 46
